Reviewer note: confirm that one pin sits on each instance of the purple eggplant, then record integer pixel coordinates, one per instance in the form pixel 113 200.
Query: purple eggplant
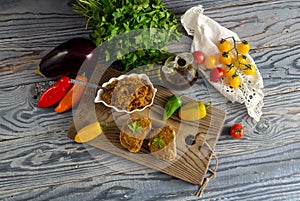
pixel 67 58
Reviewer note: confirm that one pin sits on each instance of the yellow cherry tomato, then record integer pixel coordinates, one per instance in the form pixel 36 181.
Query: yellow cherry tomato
pixel 243 47
pixel 210 62
pixel 224 45
pixel 229 70
pixel 240 60
pixel 249 69
pixel 225 58
pixel 235 81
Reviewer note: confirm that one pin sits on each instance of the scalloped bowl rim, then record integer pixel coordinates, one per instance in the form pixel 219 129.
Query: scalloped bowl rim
pixel 98 98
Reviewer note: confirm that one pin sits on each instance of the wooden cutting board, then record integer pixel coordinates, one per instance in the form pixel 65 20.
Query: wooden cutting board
pixel 193 154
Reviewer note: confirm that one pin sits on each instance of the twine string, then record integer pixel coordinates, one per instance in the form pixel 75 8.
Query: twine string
pixel 211 171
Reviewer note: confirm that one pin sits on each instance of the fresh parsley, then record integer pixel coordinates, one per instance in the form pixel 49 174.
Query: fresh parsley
pixel 110 18
pixel 158 142
pixel 135 127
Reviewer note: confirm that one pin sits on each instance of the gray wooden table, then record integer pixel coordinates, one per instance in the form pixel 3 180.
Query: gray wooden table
pixel 39 162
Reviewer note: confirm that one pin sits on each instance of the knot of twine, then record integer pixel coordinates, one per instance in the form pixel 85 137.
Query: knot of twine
pixel 211 171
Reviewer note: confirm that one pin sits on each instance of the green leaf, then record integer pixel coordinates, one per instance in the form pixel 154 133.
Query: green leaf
pixel 135 127
pixel 158 142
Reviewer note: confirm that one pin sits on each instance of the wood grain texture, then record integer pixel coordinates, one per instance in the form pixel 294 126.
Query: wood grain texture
pixel 192 160
pixel 39 162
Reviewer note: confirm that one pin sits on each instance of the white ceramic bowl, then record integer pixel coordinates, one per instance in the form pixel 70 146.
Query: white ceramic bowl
pixel 141 76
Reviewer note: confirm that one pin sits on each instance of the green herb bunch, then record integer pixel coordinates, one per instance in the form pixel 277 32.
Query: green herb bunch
pixel 109 19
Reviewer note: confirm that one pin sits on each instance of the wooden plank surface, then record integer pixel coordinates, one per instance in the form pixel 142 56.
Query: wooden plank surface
pixel 38 161
pixel 192 159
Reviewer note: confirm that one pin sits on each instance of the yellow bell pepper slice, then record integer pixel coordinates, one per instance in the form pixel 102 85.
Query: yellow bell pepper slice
pixel 88 133
pixel 193 111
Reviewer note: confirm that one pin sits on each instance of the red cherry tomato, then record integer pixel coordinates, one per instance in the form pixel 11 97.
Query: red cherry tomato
pixel 216 74
pixel 237 131
pixel 199 57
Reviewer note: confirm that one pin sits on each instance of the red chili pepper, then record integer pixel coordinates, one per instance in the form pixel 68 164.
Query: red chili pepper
pixel 73 96
pixel 55 93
